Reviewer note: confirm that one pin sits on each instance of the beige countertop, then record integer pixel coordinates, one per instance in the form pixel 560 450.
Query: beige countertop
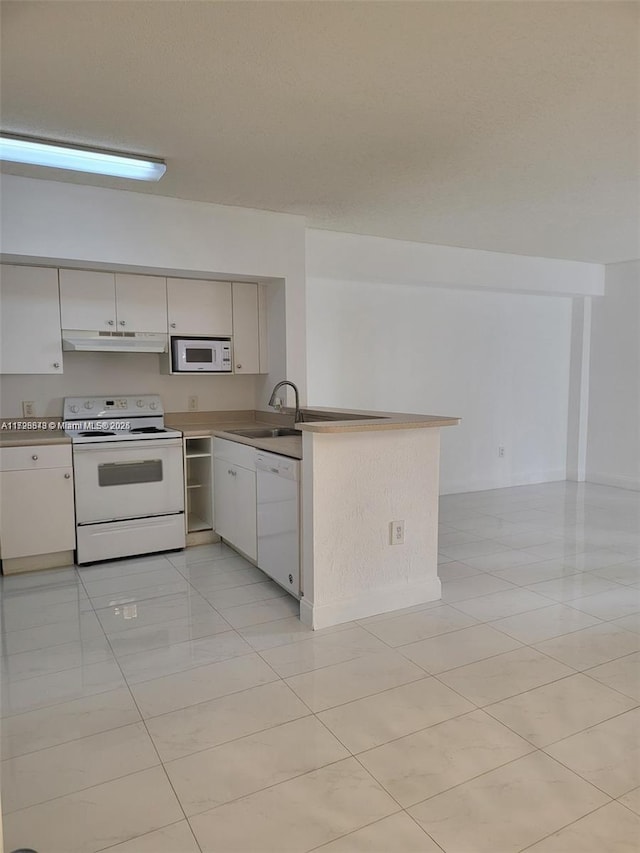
pixel 357 420
pixel 218 424
pixel 29 436
pixel 317 419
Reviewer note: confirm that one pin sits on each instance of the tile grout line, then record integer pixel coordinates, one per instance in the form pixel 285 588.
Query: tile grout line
pixel 522 693
pixel 582 778
pixel 127 840
pixel 155 749
pixel 566 826
pixel 426 673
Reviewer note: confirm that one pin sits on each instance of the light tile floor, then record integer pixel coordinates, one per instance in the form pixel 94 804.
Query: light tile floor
pixel 175 704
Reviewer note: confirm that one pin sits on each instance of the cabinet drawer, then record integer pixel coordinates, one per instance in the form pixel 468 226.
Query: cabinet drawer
pixel 33 456
pixel 235 452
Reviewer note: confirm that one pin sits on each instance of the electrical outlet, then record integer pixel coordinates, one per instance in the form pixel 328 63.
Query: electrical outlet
pixel 28 409
pixel 193 403
pixel 501 451
pixel 397 532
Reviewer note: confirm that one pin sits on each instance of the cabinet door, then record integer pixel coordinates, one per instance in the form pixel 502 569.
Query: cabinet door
pixel 88 300
pixel 36 511
pixel 245 516
pixel 235 506
pixel 199 307
pixel 224 499
pixel 262 328
pixel 29 320
pixel 246 350
pixel 141 303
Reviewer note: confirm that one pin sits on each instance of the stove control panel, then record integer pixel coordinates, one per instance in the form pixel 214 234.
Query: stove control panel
pixel 115 407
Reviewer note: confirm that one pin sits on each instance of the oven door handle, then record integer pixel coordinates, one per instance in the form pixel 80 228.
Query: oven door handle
pixel 127 446
pixel 132 462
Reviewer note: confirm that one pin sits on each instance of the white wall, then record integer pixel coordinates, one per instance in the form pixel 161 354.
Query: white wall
pixel 359 258
pixel 613 446
pixel 71 224
pixel 498 360
pixel 487 336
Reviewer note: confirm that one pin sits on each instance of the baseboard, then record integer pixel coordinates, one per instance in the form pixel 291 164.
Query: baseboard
pixel 368 604
pixel 617 480
pixel 37 563
pixel 552 475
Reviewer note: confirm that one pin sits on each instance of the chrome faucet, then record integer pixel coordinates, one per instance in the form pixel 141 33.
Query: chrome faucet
pixel 272 399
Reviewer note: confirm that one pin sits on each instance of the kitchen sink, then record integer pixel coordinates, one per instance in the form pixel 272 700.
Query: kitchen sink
pixel 263 432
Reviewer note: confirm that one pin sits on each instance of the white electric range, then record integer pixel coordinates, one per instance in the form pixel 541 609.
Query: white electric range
pixel 128 477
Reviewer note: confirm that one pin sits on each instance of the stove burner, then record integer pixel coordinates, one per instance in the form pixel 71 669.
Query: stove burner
pixel 95 432
pixel 147 429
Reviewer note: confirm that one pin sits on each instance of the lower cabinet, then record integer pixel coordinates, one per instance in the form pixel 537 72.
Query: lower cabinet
pixel 37 523
pixel 234 487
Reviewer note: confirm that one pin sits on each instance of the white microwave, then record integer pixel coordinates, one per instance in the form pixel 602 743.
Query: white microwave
pixel 201 355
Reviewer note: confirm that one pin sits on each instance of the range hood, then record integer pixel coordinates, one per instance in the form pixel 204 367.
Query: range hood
pixel 90 341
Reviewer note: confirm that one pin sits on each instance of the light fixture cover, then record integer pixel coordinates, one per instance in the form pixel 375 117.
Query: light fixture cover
pixel 38 152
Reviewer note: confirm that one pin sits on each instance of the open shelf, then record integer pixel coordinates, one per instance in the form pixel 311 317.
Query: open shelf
pixel 198 445
pixel 195 523
pixel 199 483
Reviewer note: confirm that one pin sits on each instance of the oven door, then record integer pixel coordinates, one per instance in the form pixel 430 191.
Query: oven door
pixel 128 479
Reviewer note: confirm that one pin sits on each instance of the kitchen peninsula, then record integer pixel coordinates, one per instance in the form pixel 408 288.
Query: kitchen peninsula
pixel 362 478
pixel 361 471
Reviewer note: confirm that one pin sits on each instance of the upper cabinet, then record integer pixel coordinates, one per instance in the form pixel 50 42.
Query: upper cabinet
pixel 246 328
pixel 249 328
pixel 199 307
pixel 29 320
pixel 37 302
pixel 141 303
pixel 106 301
pixel 88 300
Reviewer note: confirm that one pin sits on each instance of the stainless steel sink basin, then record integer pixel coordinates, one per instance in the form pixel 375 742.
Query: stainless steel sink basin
pixel 263 432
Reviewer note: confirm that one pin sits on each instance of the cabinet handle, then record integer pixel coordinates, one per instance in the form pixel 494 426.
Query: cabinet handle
pixel 109 322
pixel 35 457
pixel 56 364
pixel 123 323
pixel 67 476
pixel 238 367
pixel 173 325
pixel 233 473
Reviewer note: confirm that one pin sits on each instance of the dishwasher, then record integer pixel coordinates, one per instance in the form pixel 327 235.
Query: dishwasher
pixel 278 519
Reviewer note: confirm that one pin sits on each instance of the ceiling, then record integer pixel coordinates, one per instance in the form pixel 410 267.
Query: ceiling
pixel 509 126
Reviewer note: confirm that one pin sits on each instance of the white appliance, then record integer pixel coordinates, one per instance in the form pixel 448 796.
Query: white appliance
pixel 196 355
pixel 90 341
pixel 128 477
pixel 278 519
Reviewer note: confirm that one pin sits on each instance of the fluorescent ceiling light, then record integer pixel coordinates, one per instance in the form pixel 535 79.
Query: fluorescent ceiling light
pixel 56 155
